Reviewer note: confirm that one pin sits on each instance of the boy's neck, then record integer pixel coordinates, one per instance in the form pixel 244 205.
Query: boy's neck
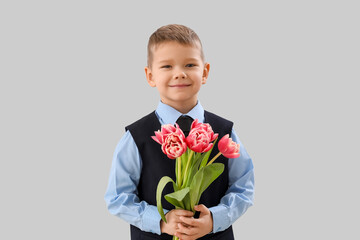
pixel 182 107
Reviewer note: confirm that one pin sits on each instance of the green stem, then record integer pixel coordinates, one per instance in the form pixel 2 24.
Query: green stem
pixel 179 171
pixel 187 166
pixel 214 158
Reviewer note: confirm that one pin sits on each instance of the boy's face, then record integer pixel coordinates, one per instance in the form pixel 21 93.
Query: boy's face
pixel 178 72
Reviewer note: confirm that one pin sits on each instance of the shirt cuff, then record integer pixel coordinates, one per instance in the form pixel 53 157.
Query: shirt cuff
pixel 151 220
pixel 220 218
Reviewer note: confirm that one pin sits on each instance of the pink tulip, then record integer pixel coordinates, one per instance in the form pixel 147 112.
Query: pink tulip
pixel 167 129
pixel 206 127
pixel 199 140
pixel 174 145
pixel 228 147
pixel 172 140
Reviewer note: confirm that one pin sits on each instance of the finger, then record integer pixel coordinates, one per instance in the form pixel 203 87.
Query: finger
pixel 185 213
pixel 183 236
pixel 189 221
pixel 185 225
pixel 186 230
pixel 201 208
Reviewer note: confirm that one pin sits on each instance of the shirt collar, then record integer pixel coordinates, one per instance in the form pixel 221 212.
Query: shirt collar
pixel 169 115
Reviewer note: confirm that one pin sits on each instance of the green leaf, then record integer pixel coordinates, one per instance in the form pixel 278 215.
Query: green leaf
pixel 177 198
pixel 194 169
pixel 160 187
pixel 207 155
pixel 189 163
pixel 202 180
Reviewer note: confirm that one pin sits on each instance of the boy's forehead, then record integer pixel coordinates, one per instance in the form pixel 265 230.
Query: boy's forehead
pixel 196 44
pixel 172 46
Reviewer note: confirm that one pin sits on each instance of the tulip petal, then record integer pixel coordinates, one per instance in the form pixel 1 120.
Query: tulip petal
pixel 232 155
pixel 156 140
pixel 214 137
pixel 208 147
pixel 159 136
pixel 228 147
pixel 194 123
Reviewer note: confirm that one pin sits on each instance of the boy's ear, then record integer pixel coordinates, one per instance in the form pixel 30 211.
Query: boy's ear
pixel 205 73
pixel 149 77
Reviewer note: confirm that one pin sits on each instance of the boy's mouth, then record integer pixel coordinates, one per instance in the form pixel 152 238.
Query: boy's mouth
pixel 180 85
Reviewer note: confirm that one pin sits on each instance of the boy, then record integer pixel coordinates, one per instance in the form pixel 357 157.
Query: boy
pixel 176 67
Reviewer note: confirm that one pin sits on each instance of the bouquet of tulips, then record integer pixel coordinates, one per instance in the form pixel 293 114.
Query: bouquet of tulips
pixel 194 173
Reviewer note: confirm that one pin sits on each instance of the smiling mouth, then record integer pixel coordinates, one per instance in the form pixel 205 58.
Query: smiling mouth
pixel 180 85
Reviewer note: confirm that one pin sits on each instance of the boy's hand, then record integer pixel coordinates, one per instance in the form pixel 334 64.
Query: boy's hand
pixel 192 228
pixel 173 219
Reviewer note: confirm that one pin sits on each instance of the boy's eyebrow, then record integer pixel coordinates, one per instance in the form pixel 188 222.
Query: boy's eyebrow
pixel 165 60
pixel 192 59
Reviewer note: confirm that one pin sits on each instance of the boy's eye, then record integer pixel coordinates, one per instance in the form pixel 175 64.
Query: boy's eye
pixel 166 66
pixel 190 65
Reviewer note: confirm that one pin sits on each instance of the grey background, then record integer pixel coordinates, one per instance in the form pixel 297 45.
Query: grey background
pixel 72 77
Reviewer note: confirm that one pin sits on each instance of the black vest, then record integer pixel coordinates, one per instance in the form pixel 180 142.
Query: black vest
pixel 155 165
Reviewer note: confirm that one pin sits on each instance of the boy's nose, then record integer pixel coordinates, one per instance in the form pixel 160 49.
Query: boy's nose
pixel 180 75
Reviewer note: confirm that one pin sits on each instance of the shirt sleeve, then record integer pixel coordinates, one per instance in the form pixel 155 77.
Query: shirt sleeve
pixel 239 197
pixel 121 194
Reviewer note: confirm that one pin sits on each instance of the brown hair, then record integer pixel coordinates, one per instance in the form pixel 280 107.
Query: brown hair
pixel 173 32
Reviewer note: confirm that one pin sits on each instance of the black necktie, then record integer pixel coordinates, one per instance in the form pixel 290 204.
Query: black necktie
pixel 184 122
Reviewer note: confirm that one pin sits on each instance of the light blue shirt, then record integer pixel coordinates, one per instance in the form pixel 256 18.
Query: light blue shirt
pixel 121 195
